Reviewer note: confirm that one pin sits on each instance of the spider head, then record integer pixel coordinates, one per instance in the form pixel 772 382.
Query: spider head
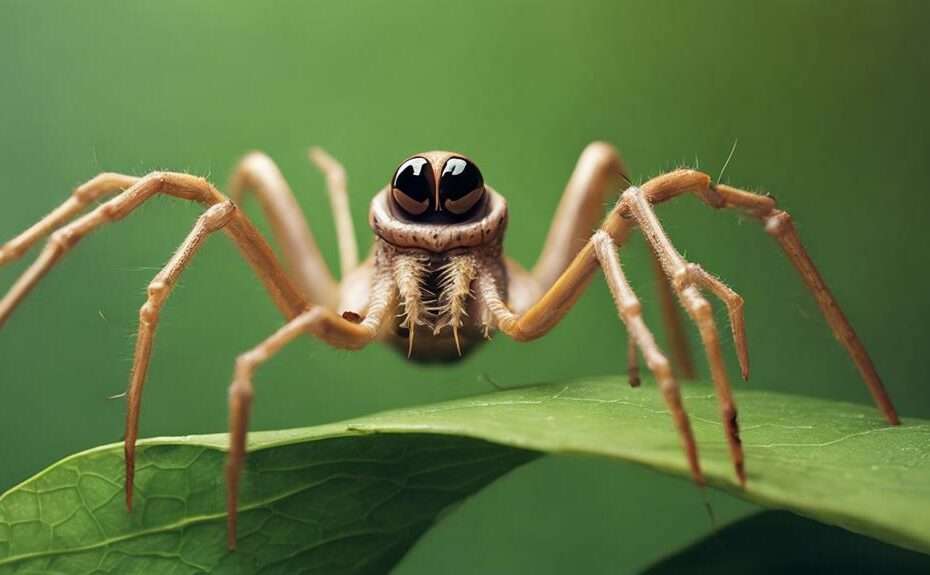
pixel 437 187
pixel 438 201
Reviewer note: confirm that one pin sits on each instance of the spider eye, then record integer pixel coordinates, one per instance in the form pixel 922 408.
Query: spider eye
pixel 460 186
pixel 413 186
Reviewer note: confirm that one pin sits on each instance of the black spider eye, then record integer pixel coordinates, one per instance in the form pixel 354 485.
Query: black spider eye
pixel 413 185
pixel 460 186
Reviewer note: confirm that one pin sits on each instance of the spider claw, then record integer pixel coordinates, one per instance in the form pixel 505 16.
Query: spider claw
pixel 744 365
pixel 738 325
pixel 739 342
pixel 455 336
pixel 731 422
pixel 410 342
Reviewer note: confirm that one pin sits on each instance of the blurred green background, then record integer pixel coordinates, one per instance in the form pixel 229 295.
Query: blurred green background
pixel 828 102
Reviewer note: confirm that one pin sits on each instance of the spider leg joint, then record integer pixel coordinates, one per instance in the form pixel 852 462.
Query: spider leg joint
pixel 778 223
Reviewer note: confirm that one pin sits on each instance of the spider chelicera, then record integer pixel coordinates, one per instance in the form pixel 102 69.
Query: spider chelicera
pixel 437 258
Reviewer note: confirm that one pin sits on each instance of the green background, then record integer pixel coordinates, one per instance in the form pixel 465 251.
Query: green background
pixel 826 99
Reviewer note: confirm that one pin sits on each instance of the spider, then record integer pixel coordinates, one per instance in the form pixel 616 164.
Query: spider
pixel 437 259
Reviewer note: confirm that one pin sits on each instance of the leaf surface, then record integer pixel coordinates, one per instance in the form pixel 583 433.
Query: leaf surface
pixel 352 497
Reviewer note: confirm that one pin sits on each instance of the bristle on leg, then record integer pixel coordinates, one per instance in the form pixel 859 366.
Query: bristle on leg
pixel 456 278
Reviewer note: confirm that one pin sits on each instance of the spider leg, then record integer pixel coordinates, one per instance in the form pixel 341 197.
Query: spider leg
pixel 253 247
pixel 599 174
pixel 549 309
pixel 686 278
pixel 335 176
pixel 682 361
pixel 220 214
pixel 258 173
pixel 318 321
pixel 629 309
pixel 632 362
pixel 215 218
pixel 96 188
pixel 599 251
pixel 778 224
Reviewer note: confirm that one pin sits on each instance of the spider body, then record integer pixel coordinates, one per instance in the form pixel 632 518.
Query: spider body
pixel 437 282
pixel 436 224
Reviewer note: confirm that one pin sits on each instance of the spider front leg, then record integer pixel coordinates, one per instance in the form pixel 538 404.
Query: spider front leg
pixel 215 218
pixel 599 173
pixel 319 322
pixel 630 311
pixel 183 186
pixel 549 308
pixel 102 185
pixel 779 225
pixel 686 278
pixel 220 214
pixel 600 250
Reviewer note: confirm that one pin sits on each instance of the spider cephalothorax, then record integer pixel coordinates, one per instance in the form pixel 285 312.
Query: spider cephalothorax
pixel 438 226
pixel 436 281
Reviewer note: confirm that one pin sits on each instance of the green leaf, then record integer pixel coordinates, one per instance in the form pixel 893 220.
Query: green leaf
pixel 352 497
pixel 778 542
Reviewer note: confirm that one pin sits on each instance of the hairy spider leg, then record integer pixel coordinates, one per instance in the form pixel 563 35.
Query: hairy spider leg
pixel 258 173
pixel 220 214
pixel 599 251
pixel 778 223
pixel 98 187
pixel 599 176
pixel 630 312
pixel 685 279
pixel 325 325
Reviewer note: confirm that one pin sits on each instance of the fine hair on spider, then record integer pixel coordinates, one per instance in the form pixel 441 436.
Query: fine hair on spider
pixel 436 282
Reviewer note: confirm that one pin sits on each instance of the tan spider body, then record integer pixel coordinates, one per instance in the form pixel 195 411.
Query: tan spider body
pixel 436 282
